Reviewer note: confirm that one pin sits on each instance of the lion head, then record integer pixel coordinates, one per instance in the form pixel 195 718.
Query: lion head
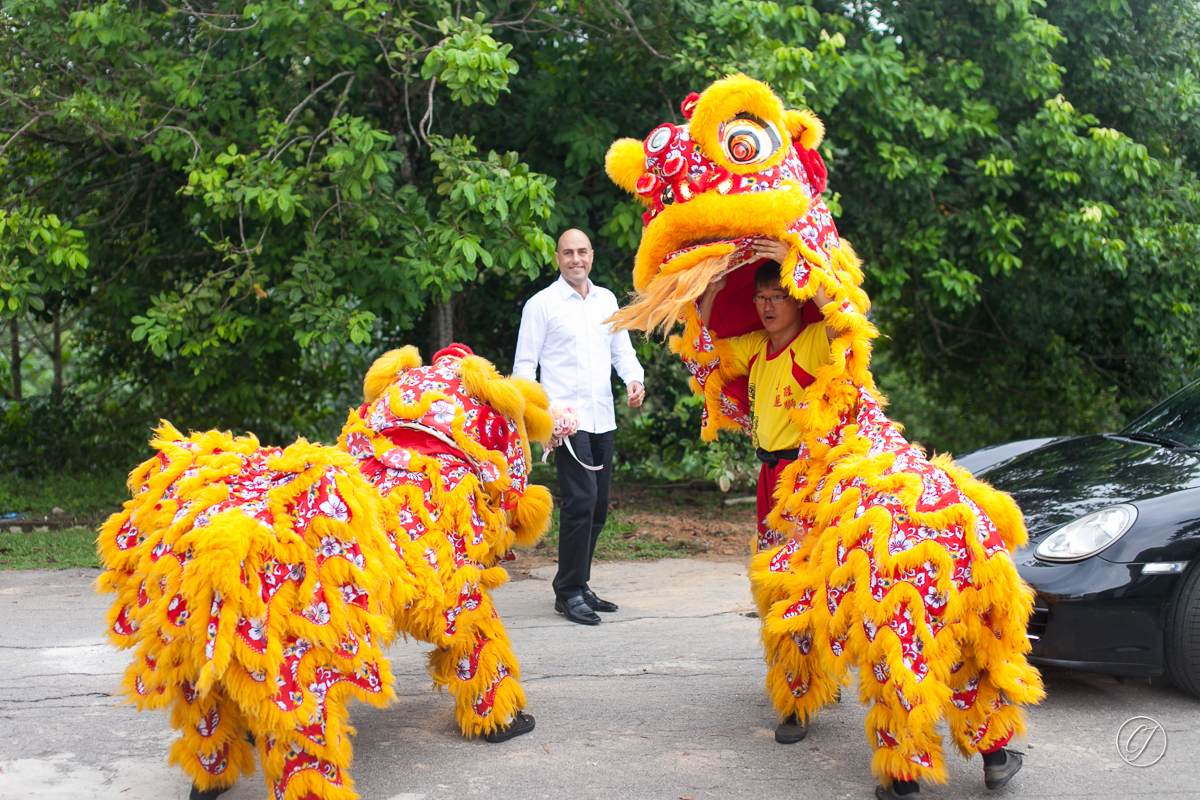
pixel 742 168
pixel 461 401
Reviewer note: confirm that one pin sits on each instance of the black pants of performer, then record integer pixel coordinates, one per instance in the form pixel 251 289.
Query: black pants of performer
pixel 584 508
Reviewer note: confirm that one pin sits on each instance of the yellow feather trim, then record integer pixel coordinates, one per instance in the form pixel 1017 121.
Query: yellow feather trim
pixel 724 100
pixel 673 292
pixel 625 162
pixel 539 424
pixel 712 215
pixel 383 372
pixel 531 519
pixel 805 127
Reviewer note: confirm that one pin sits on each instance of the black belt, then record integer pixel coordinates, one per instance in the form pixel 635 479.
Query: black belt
pixel 773 457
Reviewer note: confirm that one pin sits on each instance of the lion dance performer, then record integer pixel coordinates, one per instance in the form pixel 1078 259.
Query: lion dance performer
pixel 260 586
pixel 868 555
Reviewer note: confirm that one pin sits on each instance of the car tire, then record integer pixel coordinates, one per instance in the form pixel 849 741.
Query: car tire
pixel 1183 634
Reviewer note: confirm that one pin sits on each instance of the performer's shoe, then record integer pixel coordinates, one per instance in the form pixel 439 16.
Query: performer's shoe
pixel 791 731
pixel 211 794
pixel 596 604
pixel 891 793
pixel 521 724
pixel 997 775
pixel 576 609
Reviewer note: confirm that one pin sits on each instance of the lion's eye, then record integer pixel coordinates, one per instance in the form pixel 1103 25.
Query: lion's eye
pixel 748 141
pixel 743 147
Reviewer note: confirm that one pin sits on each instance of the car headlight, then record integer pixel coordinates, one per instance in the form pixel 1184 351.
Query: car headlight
pixel 1088 535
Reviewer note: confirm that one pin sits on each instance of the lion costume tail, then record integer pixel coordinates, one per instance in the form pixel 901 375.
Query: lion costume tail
pixel 257 587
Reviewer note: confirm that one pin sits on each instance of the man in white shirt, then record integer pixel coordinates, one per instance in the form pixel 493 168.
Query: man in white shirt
pixel 563 330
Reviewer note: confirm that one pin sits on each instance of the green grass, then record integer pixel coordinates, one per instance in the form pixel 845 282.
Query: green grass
pixel 74 547
pixel 619 541
pixel 82 495
pixel 97 496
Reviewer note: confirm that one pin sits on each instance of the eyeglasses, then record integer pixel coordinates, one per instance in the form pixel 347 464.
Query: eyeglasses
pixel 773 300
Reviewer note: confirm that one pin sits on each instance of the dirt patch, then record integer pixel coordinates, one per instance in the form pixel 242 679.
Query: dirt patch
pixel 695 512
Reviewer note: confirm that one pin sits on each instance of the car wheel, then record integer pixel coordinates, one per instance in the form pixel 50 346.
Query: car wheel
pixel 1183 635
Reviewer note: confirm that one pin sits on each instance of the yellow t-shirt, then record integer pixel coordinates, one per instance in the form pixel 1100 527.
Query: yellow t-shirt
pixel 777 381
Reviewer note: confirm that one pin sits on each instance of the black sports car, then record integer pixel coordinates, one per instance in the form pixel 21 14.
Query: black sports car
pixel 1114 542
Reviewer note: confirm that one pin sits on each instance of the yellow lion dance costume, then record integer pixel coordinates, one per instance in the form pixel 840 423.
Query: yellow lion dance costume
pixel 260 586
pixel 872 556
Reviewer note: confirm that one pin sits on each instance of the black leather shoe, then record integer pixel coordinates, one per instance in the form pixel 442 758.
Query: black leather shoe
pixel 791 731
pixel 596 604
pixel 211 794
pixel 522 723
pixel 576 609
pixel 997 776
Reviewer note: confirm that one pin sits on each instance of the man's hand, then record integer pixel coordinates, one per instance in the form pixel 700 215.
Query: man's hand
pixel 636 392
pixel 822 299
pixel 771 249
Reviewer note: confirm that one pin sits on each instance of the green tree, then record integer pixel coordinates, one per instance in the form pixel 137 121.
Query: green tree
pixel 269 193
pixel 1018 177
pixel 266 189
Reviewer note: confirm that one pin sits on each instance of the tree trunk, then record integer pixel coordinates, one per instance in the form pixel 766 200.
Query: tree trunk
pixel 56 355
pixel 395 118
pixel 441 326
pixel 15 327
pixel 391 102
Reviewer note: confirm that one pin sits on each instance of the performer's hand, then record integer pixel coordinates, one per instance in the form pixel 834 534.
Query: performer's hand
pixel 822 299
pixel 637 393
pixel 772 249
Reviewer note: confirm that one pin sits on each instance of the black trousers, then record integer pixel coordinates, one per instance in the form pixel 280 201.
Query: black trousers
pixel 584 508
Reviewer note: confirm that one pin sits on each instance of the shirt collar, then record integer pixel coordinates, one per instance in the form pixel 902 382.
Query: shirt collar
pixel 565 290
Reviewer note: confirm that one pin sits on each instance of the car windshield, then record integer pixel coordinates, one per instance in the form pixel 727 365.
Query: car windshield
pixel 1176 419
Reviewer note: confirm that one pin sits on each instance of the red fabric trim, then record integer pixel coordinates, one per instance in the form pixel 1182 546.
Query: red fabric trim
pixel 768 478
pixel 455 350
pixel 738 390
pixel 799 375
pixel 772 356
pixel 733 312
pixel 424 443
pixel 811 313
pixel 998 744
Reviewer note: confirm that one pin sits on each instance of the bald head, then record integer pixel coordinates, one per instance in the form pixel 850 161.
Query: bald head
pixel 574 257
pixel 573 237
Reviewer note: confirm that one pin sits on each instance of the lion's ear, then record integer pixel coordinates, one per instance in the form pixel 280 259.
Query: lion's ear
pixel 625 163
pixel 805 127
pixel 386 368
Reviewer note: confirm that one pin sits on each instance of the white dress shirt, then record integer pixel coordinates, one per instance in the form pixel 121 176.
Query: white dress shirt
pixel 565 334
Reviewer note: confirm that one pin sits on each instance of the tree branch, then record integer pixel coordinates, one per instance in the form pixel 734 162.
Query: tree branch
pixel 24 128
pixel 295 111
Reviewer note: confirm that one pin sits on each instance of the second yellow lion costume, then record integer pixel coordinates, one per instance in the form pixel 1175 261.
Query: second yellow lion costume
pixel 873 557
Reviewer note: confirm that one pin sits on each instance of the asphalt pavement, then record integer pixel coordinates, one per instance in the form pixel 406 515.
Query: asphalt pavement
pixel 663 700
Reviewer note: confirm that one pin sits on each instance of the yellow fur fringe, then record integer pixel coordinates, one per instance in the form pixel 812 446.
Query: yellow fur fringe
pixel 985 622
pixel 225 557
pixel 218 686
